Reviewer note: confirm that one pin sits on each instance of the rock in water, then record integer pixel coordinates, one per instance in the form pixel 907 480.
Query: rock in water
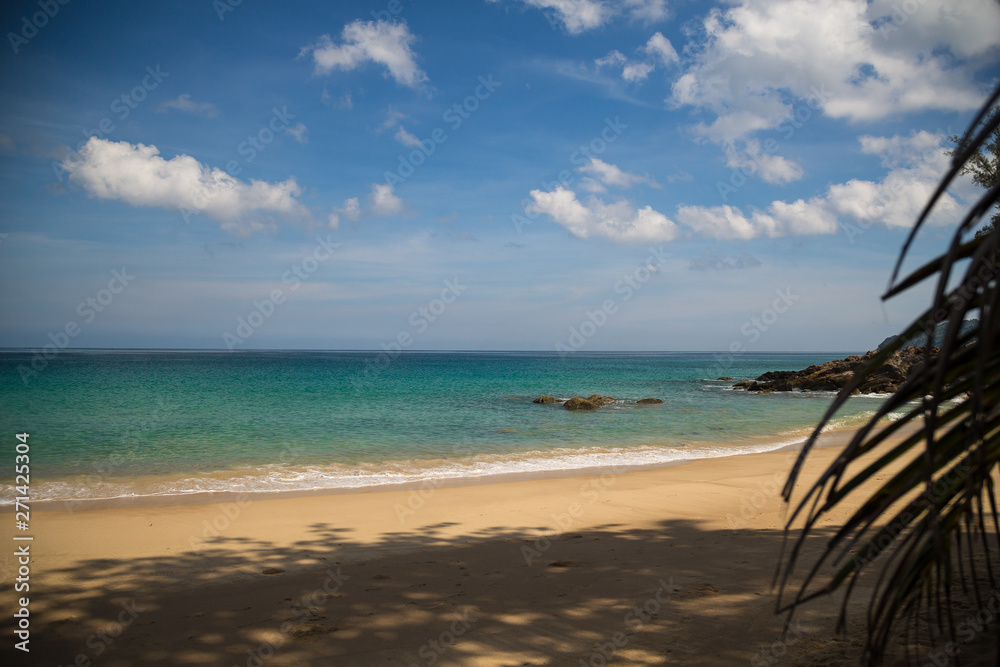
pixel 599 400
pixel 579 404
pixel 834 375
pixel 545 398
pixel 648 401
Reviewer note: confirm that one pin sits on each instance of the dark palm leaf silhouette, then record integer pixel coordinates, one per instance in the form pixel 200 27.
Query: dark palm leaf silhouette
pixel 923 525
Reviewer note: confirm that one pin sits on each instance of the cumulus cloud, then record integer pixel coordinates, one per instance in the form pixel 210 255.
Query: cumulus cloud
pixel 916 164
pixel 384 202
pixel 579 16
pixel 601 174
pixel 619 221
pixel 187 105
pixel 660 47
pixel 657 51
pixel 138 175
pixel 847 56
pixel 386 43
pixel 769 167
pixel 780 219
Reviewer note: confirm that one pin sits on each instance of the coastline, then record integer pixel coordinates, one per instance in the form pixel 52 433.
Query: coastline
pixel 548 568
pixel 830 438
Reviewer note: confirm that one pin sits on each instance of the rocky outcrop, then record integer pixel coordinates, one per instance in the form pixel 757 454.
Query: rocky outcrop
pixel 579 404
pixel 544 398
pixel 649 401
pixel 724 378
pixel 834 375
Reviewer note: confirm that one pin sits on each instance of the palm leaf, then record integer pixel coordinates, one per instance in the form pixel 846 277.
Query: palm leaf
pixel 921 528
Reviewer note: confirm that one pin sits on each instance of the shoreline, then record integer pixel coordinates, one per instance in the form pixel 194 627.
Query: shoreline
pixel 831 438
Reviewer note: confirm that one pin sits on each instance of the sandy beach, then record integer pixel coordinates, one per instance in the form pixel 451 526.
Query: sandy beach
pixel 663 566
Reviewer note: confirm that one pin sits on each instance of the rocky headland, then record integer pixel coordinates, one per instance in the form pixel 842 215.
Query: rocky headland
pixel 834 375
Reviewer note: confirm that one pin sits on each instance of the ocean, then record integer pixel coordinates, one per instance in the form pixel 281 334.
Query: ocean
pixel 112 424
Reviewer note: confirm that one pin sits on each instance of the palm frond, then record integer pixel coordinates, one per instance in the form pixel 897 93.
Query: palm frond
pixel 921 527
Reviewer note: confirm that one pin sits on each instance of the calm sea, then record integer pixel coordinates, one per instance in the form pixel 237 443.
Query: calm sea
pixel 107 424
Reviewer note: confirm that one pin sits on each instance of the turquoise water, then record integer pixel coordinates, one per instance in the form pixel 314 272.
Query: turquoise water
pixel 119 423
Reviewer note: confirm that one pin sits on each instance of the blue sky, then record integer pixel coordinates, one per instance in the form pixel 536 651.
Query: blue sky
pixel 490 174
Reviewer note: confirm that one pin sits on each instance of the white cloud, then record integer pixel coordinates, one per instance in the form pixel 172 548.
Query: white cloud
pixel 657 50
pixel 636 72
pixel 719 222
pixel 136 174
pixel 916 164
pixel 769 167
pixel 603 173
pixel 781 219
pixel 648 11
pixel 660 47
pixel 407 139
pixel 382 42
pixel 350 210
pixel 615 57
pixel 618 221
pixel 762 55
pixel 186 104
pixel 579 16
pixel 392 118
pixel 384 202
pixel 299 131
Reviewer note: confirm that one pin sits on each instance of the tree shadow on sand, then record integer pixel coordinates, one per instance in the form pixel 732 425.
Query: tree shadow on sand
pixel 677 593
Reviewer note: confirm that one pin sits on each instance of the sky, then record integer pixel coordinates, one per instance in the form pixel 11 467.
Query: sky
pixel 560 175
